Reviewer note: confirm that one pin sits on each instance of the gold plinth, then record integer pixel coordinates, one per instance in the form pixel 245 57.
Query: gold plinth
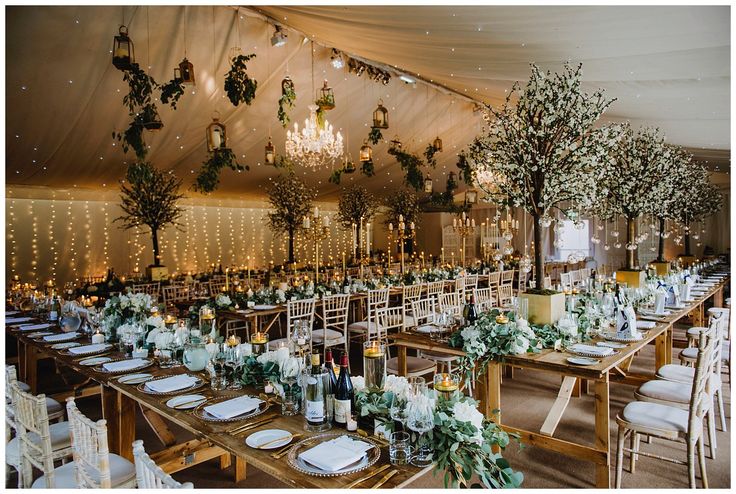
pixel 663 268
pixel 633 279
pixel 157 273
pixel 545 309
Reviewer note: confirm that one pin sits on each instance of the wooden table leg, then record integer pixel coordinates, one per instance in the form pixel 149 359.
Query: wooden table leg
pixel 718 297
pixel 119 412
pixel 602 432
pixel 567 389
pixel 402 360
pixel 670 341
pixel 240 469
pixel 660 349
pixel 491 381
pixel 31 365
pixel 22 348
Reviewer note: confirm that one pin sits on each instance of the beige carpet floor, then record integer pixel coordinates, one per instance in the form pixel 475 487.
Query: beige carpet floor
pixel 525 401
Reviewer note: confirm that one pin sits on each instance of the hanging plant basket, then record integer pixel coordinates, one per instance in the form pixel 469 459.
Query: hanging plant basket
pixel 240 88
pixel 151 120
pixel 326 99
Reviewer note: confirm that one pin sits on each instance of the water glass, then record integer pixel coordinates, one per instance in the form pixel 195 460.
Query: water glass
pixel 399 448
pixel 219 381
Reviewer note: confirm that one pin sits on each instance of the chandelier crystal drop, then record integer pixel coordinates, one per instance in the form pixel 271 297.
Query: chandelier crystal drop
pixel 313 146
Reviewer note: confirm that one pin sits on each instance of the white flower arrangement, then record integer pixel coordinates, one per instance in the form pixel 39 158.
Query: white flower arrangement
pixel 222 300
pixel 359 383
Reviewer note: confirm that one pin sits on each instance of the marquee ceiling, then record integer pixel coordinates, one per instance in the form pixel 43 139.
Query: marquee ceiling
pixel 668 66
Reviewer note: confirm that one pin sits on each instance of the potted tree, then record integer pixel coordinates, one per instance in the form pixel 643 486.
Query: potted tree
pixel 543 151
pixel 149 198
pixel 635 184
pixel 291 200
pixel 356 206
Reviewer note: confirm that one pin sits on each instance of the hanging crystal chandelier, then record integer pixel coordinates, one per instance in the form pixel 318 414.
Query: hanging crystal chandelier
pixel 313 146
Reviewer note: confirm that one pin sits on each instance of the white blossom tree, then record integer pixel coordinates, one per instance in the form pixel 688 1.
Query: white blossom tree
pixel 543 150
pixel 634 182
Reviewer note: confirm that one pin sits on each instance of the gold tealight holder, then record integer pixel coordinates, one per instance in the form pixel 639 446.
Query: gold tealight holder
pixel 446 384
pixel 259 343
pixel 501 319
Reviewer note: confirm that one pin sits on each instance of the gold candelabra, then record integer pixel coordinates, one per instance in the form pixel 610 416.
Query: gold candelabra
pixel 464 228
pixel 315 229
pixel 402 234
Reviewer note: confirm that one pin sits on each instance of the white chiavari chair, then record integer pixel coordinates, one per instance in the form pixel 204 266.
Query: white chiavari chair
pixel 296 310
pixel 173 294
pixel 566 281
pixel 507 278
pixel 494 280
pixel 409 294
pixel 434 288
pixel 148 475
pixel 669 422
pixel 37 443
pixel 505 295
pixel 152 289
pixel 451 301
pixel 335 309
pixel 484 298
pixel 217 287
pixel 424 311
pixel 390 318
pixel 377 299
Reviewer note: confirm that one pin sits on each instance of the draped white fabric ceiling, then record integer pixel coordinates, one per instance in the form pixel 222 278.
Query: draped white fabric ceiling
pixel 668 66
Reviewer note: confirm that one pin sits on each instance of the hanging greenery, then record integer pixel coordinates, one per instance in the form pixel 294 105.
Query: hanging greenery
pixel 375 136
pixel 239 87
pixel 466 171
pixel 209 174
pixel 335 176
pixel 288 96
pixel 172 91
pixel 429 154
pixel 367 168
pixel 411 164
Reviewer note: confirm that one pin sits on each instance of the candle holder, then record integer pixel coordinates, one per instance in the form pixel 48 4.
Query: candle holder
pixel 315 230
pixel 465 227
pixel 446 384
pixel 403 232
pixel 259 343
pixel 374 365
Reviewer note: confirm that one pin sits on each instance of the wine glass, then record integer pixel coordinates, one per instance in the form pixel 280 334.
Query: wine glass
pixel 219 381
pixel 420 419
pixel 233 361
pixel 397 410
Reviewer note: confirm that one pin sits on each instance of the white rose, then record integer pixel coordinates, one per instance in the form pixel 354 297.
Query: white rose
pixel 519 345
pixel 223 300
pixel 246 349
pixel 155 321
pixel 291 367
pixel 358 383
pixel 523 326
pixel 281 295
pixel 281 355
pixel 164 339
pixel 464 411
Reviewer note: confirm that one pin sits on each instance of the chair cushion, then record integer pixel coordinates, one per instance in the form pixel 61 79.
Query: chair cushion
pixel 443 357
pixel 362 326
pixel 656 416
pixel 413 365
pixel 60 439
pixel 666 391
pixel 689 353
pixel 121 471
pixel 677 373
pixel 726 351
pixel 24 387
pixel 53 406
pixel 695 331
pixel 318 335
pixel 409 321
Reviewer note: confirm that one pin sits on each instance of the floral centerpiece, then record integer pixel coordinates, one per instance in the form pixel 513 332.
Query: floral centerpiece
pixel 127 308
pixel 268 367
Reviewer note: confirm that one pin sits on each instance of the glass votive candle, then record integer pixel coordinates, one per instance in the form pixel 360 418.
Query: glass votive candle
pixel 374 365
pixel 446 384
pixel 259 342
pixel 233 341
pixel 170 320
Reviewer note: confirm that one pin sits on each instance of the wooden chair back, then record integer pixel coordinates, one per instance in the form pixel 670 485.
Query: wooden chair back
pixel 424 311
pixel 484 299
pixel 434 288
pixel 494 279
pixel 152 289
pixel 89 445
pixel 388 318
pixel 377 299
pixel 335 310
pixel 703 372
pixel 148 475
pixel 34 436
pixel 504 295
pixel 451 301
pixel 507 277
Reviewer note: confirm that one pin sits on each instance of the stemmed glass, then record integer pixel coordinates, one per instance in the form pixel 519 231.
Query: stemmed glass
pixel 420 419
pixel 397 410
pixel 219 381
pixel 233 362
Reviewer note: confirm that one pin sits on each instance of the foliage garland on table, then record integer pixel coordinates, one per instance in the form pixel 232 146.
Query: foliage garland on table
pixel 267 367
pixel 208 177
pixel 462 439
pixel 240 88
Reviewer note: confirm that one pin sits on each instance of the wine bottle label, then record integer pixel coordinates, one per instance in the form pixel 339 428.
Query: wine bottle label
pixel 53 316
pixel 342 411
pixel 315 411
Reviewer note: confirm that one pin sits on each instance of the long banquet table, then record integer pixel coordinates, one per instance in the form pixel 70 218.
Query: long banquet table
pixel 612 369
pixel 119 403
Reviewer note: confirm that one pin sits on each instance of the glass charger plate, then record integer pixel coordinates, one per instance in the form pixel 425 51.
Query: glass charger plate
pixel 371 456
pixel 591 355
pixel 101 368
pixel 143 389
pixel 201 413
pixel 614 337
pixel 64 346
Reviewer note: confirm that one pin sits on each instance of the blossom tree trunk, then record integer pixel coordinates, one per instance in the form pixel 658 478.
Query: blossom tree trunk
pixel 687 239
pixel 660 252
pixel 156 250
pixel 291 245
pixel 538 253
pixel 631 258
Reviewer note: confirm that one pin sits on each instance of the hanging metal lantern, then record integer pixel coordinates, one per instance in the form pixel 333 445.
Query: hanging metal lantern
pixel 348 165
pixel 270 153
pixel 471 196
pixel 380 116
pixel 287 85
pixel 151 120
pixel 437 144
pixel 123 55
pixel 185 72
pixel 428 184
pixel 395 143
pixel 326 98
pixel 216 137
pixel 366 152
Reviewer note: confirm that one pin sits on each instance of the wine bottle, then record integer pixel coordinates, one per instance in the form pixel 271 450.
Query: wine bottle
pixel 472 311
pixel 346 284
pixel 466 308
pixel 55 309
pixel 330 385
pixel 343 394
pixel 315 409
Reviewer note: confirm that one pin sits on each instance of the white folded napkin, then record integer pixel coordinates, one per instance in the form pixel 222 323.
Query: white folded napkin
pixel 232 408
pixel 12 320
pixel 124 365
pixel 79 350
pixel 61 337
pixel 172 383
pixel 12 312
pixel 645 324
pixel 427 328
pixel 593 350
pixel 32 327
pixel 336 454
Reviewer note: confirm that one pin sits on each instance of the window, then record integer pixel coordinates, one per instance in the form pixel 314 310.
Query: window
pixel 573 240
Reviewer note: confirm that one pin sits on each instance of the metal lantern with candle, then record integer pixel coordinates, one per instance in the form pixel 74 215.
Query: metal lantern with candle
pixel 471 196
pixel 326 99
pixel 123 54
pixel 374 365
pixel 270 156
pixel 437 144
pixel 380 116
pixel 216 135
pixel 185 72
pixel 259 342
pixel 446 384
pixel 348 164
pixel 428 184
pixel 366 152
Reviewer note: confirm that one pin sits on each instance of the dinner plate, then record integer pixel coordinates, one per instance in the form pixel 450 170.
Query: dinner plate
pixel 614 337
pixel 64 346
pixel 264 307
pixel 201 413
pixel 105 348
pixel 582 360
pixel 369 458
pixel 134 378
pixel 185 402
pixel 611 344
pixel 269 439
pixel 100 368
pixel 144 389
pixel 94 361
pixel 590 355
pixel 427 328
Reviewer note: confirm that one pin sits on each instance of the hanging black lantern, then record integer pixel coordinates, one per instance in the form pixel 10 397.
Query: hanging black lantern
pixel 437 144
pixel 216 137
pixel 123 55
pixel 380 116
pixel 428 184
pixel 327 98
pixel 348 166
pixel 151 120
pixel 185 72
pixel 270 153
pixel 366 153
pixel 395 143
